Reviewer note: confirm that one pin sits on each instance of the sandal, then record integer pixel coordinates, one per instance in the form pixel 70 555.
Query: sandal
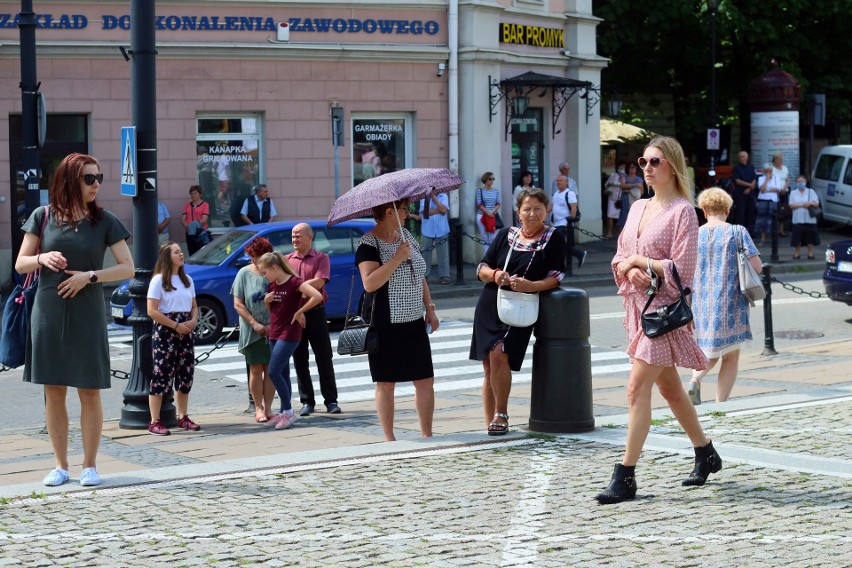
pixel 261 418
pixel 499 428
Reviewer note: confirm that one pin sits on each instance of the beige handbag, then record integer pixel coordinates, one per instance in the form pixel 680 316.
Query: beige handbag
pixel 750 283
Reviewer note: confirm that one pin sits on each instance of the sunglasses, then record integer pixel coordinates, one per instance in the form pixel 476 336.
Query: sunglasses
pixel 489 179
pixel 653 162
pixel 90 178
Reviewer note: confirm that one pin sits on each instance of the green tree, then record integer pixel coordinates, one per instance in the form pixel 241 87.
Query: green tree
pixel 662 47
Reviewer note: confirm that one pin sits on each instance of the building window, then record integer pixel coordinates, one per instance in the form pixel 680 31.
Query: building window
pixel 381 144
pixel 228 165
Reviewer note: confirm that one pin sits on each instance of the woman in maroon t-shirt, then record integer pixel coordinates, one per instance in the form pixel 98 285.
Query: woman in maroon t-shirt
pixel 286 320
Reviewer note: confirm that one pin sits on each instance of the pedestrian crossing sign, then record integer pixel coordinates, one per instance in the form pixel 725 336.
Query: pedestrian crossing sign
pixel 128 161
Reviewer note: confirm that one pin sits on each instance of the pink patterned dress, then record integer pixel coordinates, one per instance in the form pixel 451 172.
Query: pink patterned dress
pixel 672 238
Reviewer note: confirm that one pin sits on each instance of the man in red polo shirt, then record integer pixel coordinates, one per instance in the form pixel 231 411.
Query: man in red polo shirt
pixel 314 268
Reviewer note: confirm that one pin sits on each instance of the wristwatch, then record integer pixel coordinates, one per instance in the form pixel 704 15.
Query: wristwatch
pixel 93 277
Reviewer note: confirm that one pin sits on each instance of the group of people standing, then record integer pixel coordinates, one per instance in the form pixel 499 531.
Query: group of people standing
pixel 279 299
pixel 760 201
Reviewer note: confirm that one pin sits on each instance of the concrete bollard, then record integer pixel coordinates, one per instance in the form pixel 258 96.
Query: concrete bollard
pixel 561 399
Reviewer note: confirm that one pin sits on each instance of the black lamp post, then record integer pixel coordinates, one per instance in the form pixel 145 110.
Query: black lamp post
pixel 712 6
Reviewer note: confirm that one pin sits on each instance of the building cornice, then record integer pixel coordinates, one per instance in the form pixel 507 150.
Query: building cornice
pixel 254 51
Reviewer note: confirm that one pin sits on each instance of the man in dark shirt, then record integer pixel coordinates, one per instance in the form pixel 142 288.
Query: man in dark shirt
pixel 744 182
pixel 258 208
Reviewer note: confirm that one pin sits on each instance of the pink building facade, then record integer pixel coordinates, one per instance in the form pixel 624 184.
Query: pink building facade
pixel 245 92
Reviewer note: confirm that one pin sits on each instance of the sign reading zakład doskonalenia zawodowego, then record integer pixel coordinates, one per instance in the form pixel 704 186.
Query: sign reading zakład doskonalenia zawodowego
pixel 233 23
pixel 538 36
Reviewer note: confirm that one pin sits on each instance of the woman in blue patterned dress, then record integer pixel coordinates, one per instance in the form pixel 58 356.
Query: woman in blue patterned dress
pixel 721 311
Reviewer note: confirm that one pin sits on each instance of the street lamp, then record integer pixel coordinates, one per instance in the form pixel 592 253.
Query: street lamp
pixel 712 6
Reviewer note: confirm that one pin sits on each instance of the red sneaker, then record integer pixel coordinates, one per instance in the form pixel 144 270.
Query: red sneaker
pixel 156 428
pixel 187 424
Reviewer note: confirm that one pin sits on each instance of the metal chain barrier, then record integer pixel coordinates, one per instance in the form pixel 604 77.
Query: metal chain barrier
pixel 220 343
pixel 596 236
pixel 436 244
pixel 474 239
pixel 795 289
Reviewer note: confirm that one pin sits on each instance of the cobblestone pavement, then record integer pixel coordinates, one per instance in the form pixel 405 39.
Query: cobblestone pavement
pixel 524 502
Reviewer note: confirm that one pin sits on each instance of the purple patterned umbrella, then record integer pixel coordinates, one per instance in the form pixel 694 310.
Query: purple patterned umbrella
pixel 411 184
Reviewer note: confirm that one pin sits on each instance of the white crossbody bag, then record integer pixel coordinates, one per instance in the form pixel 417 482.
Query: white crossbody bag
pixel 518 309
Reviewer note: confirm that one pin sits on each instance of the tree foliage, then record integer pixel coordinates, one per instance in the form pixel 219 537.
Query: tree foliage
pixel 663 48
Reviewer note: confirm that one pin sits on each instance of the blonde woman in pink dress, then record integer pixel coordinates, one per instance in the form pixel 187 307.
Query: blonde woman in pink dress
pixel 660 233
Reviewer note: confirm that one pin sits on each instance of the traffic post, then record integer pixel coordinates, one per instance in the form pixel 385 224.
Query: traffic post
pixel 140 168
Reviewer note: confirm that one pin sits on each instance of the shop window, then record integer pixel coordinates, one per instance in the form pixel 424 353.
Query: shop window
pixel 380 144
pixel 228 165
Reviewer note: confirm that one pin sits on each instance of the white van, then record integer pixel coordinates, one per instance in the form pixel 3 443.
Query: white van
pixel 832 180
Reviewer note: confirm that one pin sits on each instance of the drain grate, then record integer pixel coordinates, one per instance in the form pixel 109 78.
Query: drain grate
pixel 799 334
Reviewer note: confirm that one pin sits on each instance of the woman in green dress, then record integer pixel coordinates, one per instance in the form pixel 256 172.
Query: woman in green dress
pixel 68 334
pixel 248 290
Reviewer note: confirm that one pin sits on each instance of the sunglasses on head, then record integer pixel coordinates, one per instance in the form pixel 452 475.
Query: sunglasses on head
pixel 90 178
pixel 653 162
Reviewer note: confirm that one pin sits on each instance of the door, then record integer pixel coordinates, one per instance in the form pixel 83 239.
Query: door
pixel 66 134
pixel 528 147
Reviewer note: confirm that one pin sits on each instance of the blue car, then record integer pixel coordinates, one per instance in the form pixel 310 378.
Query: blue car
pixel 838 272
pixel 214 267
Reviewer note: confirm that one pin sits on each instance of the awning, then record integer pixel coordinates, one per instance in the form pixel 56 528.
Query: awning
pixel 561 91
pixel 614 132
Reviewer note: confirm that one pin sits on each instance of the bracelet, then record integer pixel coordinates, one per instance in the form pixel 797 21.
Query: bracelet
pixel 494 276
pixel 427 306
pixel 38 259
pixel 177 323
pixel 650 270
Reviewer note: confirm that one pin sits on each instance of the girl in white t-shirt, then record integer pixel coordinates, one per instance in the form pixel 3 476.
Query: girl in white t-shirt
pixel 172 306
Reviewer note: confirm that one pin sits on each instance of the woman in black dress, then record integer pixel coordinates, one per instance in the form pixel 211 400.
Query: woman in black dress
pixel 536 264
pixel 394 272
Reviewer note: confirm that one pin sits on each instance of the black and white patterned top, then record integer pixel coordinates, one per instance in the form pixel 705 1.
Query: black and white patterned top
pixel 400 300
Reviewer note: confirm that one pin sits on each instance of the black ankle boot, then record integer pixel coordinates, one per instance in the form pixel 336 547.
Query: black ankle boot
pixel 622 486
pixel 707 461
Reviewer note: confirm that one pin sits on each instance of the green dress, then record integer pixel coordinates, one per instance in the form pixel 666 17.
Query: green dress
pixel 251 289
pixel 68 337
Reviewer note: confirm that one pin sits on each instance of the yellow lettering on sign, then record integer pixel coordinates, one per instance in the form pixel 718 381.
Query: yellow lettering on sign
pixel 532 35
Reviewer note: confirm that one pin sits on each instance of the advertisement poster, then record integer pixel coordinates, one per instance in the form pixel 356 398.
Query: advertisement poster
pixel 772 132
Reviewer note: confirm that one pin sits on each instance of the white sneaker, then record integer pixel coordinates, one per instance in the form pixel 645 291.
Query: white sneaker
pixel 56 477
pixel 89 477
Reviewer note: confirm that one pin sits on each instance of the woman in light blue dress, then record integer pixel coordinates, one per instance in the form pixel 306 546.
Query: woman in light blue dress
pixel 720 310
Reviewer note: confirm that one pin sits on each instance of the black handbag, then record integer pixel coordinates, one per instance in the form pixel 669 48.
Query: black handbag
pixel 358 336
pixel 667 318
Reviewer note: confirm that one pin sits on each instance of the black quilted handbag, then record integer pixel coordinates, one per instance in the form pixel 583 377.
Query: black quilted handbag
pixel 667 318
pixel 358 336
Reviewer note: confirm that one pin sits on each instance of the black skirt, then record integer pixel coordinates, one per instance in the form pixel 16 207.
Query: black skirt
pixel 404 354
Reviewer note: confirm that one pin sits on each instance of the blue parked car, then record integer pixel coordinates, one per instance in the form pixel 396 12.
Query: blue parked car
pixel 214 267
pixel 838 272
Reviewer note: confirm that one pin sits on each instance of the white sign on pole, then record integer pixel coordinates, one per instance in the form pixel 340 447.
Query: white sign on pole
pixel 128 161
pixel 712 138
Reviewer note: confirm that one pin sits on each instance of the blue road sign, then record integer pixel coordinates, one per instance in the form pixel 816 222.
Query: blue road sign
pixel 129 175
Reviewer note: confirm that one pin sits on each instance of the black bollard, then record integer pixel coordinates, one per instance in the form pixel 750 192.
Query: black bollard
pixel 561 399
pixel 768 336
pixel 775 220
pixel 458 232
